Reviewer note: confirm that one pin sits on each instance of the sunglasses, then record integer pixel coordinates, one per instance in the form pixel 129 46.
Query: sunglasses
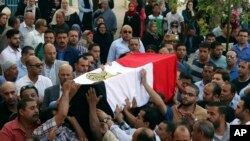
pixel 30 86
pixel 125 31
pixel 230 56
pixel 37 65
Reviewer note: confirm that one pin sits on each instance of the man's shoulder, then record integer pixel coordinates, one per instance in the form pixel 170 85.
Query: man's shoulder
pixel 54 87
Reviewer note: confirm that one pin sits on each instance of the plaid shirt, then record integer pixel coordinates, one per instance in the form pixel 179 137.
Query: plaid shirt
pixel 63 133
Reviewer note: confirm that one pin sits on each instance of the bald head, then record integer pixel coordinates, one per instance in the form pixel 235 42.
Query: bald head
pixel 181 133
pixel 126 33
pixel 29 18
pixel 49 54
pixel 9 93
pixel 143 134
pixel 65 73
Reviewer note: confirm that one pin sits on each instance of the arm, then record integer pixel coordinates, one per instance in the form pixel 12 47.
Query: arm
pixel 78 129
pixel 156 99
pixel 130 117
pixel 93 119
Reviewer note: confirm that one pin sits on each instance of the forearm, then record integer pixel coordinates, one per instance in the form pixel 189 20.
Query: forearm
pixel 94 123
pixel 62 108
pixel 130 118
pixel 79 131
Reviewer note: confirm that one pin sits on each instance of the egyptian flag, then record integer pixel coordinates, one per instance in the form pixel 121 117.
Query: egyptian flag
pixel 122 80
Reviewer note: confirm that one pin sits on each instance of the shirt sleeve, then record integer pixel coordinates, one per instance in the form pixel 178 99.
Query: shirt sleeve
pixel 120 134
pixel 43 129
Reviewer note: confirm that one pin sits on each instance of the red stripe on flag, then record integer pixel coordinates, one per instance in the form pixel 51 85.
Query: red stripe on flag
pixel 164 70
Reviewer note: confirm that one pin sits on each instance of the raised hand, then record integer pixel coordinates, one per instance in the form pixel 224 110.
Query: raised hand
pixel 91 97
pixel 143 76
pixel 118 114
pixel 134 103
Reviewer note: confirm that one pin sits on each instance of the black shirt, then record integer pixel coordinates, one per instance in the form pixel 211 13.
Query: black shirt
pixel 5 114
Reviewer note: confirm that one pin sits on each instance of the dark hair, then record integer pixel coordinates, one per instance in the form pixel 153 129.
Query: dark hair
pixel 243 30
pixel 12 21
pixel 151 46
pixel 216 88
pixel 2 14
pixel 222 107
pixel 194 87
pixel 225 75
pixel 246 104
pixel 61 32
pixel 26 87
pixel 210 64
pixel 10 33
pixel 39 23
pixel 180 44
pixel 206 128
pixel 22 104
pixel 215 44
pixel 185 76
pixel 91 46
pixel 81 56
pixel 204 45
pixel 153 116
pixel 50 31
pixel 87 54
pixel 210 34
pixel 26 50
pixel 188 3
pixel 170 126
pixel 144 136
pixel 232 87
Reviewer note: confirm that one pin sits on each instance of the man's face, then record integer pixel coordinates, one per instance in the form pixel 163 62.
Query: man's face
pixel 65 4
pixel 30 112
pixel 226 94
pixel 153 28
pixel 126 33
pixel 243 69
pixel 73 37
pixel 239 111
pixel 29 19
pixel 30 93
pixel 217 78
pixel 62 40
pixel 9 94
pixel 3 20
pixel 189 96
pixel 134 45
pixel 35 66
pixel 60 18
pixel 207 73
pixel 231 58
pixel 161 131
pixel 13 71
pixel 185 82
pixel 208 93
pixel 140 120
pixel 49 54
pixel 82 66
pixel 31 2
pixel 181 52
pixel 49 38
pixel 170 48
pixel 210 39
pixel 95 51
pixel 203 53
pixel 214 116
pixel 243 38
pixel 17 24
pixel 91 62
pixel 65 74
pixel 217 52
pixel 14 41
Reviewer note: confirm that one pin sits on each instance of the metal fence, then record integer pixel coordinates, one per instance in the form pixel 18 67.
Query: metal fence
pixel 12 4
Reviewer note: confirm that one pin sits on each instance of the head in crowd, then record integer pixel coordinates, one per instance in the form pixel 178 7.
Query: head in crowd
pixel 216 113
pixel 170 47
pixel 190 95
pixel 29 91
pixel 77 28
pixel 101 28
pixel 89 36
pixel 100 20
pixel 104 4
pixel 65 73
pixel 216 50
pixel 27 51
pixel 31 3
pixel 49 36
pixel 181 132
pixel 3 19
pixel 231 59
pixel 156 9
pixel 212 92
pixel 49 54
pixel 134 44
pixel 181 51
pixel 29 19
pixel 27 111
pixel 41 25
pixel 228 92
pixel 163 50
pixel 224 26
pixel 73 37
pixel 152 27
pixel 204 49
pixel 185 79
pixel 220 76
pixel 82 65
pixel 62 39
pixel 243 36
pixel 10 71
pixel 95 50
pixel 143 134
pixel 207 73
pixel 9 94
pixel 34 66
pixel 13 38
pixel 203 130
pixel 165 130
pixel 14 22
pixel 242 111
pixel 210 37
pixel 151 48
pixel 148 117
pixel 91 60
pixel 174 27
pixel 126 32
pixel 60 17
pixel 244 70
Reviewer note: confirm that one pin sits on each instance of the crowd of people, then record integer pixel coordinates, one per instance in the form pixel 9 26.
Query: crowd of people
pixel 47 44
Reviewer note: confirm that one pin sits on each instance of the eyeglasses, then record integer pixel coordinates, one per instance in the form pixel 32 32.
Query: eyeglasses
pixel 106 119
pixel 188 94
pixel 230 56
pixel 125 31
pixel 37 65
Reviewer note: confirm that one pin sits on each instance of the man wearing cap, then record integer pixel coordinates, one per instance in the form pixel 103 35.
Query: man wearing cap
pixel 10 72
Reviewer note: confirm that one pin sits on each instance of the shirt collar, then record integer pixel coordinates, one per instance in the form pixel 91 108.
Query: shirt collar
pixel 12 50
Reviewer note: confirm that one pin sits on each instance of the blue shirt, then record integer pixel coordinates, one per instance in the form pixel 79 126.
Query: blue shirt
pixel 243 54
pixel 22 69
pixel 234 73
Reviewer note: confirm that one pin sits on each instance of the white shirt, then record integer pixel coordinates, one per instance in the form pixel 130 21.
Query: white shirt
pixel 200 85
pixel 11 55
pixel 238 122
pixel 33 38
pixel 24 30
pixel 50 72
pixel 174 17
pixel 41 84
